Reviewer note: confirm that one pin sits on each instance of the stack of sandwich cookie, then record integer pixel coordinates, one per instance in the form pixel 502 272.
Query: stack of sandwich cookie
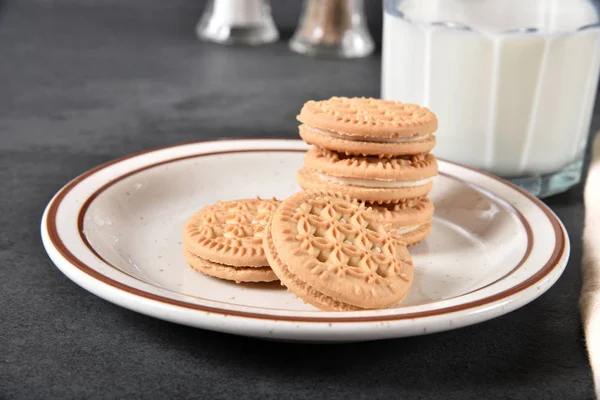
pixel 225 240
pixel 374 151
pixel 336 254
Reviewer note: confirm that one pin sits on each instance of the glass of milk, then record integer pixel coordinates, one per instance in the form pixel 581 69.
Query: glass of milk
pixel 513 82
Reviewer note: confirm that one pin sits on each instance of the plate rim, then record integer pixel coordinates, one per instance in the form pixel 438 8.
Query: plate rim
pixel 50 228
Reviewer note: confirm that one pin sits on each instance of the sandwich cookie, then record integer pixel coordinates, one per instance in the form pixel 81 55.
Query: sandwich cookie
pixel 335 253
pixel 225 240
pixel 368 126
pixel 410 218
pixel 370 179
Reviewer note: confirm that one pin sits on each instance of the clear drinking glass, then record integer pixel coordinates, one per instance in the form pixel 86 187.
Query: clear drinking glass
pixel 335 28
pixel 513 82
pixel 237 22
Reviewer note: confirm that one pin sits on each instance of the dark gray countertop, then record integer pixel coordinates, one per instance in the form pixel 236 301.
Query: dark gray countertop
pixel 86 82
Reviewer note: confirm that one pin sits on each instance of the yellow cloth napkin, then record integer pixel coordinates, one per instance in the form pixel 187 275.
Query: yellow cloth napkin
pixel 590 293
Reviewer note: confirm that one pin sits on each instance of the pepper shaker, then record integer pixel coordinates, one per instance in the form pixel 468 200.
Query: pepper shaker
pixel 333 28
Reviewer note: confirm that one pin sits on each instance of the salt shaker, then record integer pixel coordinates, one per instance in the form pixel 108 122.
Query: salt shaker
pixel 237 22
pixel 333 28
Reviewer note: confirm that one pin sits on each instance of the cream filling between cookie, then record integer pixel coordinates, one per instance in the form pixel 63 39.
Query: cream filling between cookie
pixel 367 139
pixel 407 229
pixel 373 183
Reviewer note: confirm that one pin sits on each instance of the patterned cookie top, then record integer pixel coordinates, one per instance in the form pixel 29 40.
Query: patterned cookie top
pixel 340 248
pixel 369 117
pixel 399 168
pixel 230 232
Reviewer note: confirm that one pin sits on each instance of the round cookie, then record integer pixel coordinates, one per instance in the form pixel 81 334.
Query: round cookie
pixel 335 254
pixel 368 126
pixel 237 274
pixel 311 179
pixel 411 218
pixel 230 232
pixel 372 172
pixel 351 145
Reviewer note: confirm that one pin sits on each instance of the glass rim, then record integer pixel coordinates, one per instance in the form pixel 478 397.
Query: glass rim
pixel 389 7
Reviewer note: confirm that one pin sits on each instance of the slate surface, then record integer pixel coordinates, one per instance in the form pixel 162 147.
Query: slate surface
pixel 83 82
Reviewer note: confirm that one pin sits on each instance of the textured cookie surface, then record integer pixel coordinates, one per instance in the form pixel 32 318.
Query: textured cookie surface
pixel 237 274
pixel 297 286
pixel 338 249
pixel 312 179
pixel 230 232
pixel 368 117
pixel 400 168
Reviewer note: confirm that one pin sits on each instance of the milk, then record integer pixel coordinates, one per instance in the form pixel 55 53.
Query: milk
pixel 513 83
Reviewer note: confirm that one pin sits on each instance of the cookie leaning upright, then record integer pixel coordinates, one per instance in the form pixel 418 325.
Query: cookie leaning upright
pixel 368 126
pixel 225 240
pixel 335 254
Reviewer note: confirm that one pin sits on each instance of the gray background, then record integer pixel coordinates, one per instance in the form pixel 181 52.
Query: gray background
pixel 83 82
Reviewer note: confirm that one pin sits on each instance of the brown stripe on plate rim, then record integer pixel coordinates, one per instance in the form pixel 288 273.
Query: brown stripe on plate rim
pixel 559 249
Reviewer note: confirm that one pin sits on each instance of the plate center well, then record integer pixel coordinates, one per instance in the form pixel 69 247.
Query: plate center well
pixel 135 225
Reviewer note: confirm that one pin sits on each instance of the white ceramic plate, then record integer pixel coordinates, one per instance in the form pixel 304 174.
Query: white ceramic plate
pixel 115 231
